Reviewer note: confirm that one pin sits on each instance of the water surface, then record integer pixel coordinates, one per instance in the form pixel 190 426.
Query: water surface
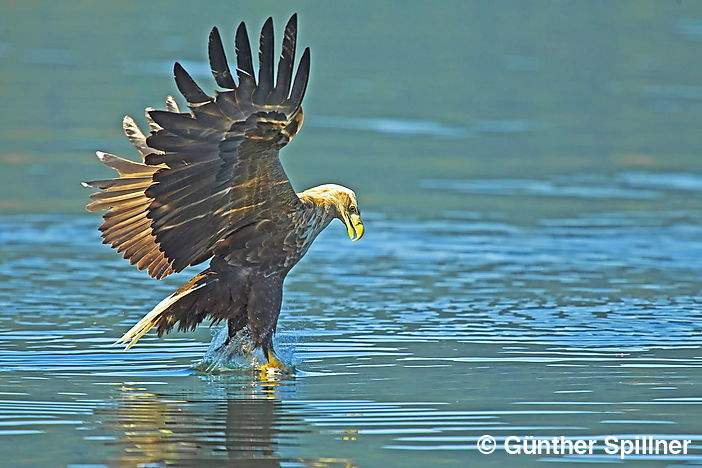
pixel 530 177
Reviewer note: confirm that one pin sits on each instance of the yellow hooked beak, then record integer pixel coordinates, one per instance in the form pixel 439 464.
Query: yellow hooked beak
pixel 354 226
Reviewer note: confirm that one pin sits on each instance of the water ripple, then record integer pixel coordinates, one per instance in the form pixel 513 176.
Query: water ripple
pixel 466 325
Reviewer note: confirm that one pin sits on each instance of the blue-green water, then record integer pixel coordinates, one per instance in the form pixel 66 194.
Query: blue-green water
pixel 530 175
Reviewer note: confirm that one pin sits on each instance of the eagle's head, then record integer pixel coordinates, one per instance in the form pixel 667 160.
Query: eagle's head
pixel 340 202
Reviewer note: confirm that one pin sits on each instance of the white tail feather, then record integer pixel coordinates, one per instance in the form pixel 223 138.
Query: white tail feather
pixel 151 319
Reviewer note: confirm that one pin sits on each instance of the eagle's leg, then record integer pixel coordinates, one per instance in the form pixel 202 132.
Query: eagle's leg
pixel 273 363
pixel 272 359
pixel 263 307
pixel 233 327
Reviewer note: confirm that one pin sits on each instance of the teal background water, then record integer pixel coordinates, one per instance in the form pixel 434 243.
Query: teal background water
pixel 530 173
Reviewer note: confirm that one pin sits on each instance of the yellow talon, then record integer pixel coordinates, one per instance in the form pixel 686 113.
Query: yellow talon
pixel 273 365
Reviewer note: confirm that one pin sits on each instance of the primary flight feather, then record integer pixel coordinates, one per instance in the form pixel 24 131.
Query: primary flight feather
pixel 210 186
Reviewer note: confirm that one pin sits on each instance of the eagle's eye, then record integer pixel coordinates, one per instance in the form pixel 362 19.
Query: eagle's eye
pixel 353 209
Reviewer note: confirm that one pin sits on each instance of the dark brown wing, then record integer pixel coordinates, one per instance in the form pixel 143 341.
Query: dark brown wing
pixel 213 171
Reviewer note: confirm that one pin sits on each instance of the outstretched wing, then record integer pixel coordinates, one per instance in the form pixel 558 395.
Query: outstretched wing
pixel 210 172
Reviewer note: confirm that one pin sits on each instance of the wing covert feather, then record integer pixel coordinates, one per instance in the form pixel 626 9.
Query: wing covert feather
pixel 210 172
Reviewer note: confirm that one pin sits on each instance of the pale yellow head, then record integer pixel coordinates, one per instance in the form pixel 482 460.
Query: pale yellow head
pixel 340 202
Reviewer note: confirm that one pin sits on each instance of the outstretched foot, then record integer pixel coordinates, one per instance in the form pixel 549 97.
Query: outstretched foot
pixel 274 365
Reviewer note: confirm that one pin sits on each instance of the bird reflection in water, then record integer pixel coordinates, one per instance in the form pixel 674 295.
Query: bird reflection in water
pixel 247 426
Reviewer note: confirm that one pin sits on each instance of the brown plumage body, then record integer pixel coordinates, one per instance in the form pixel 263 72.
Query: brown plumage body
pixel 211 186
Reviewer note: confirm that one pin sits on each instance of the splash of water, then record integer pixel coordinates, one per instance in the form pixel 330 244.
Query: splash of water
pixel 222 356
